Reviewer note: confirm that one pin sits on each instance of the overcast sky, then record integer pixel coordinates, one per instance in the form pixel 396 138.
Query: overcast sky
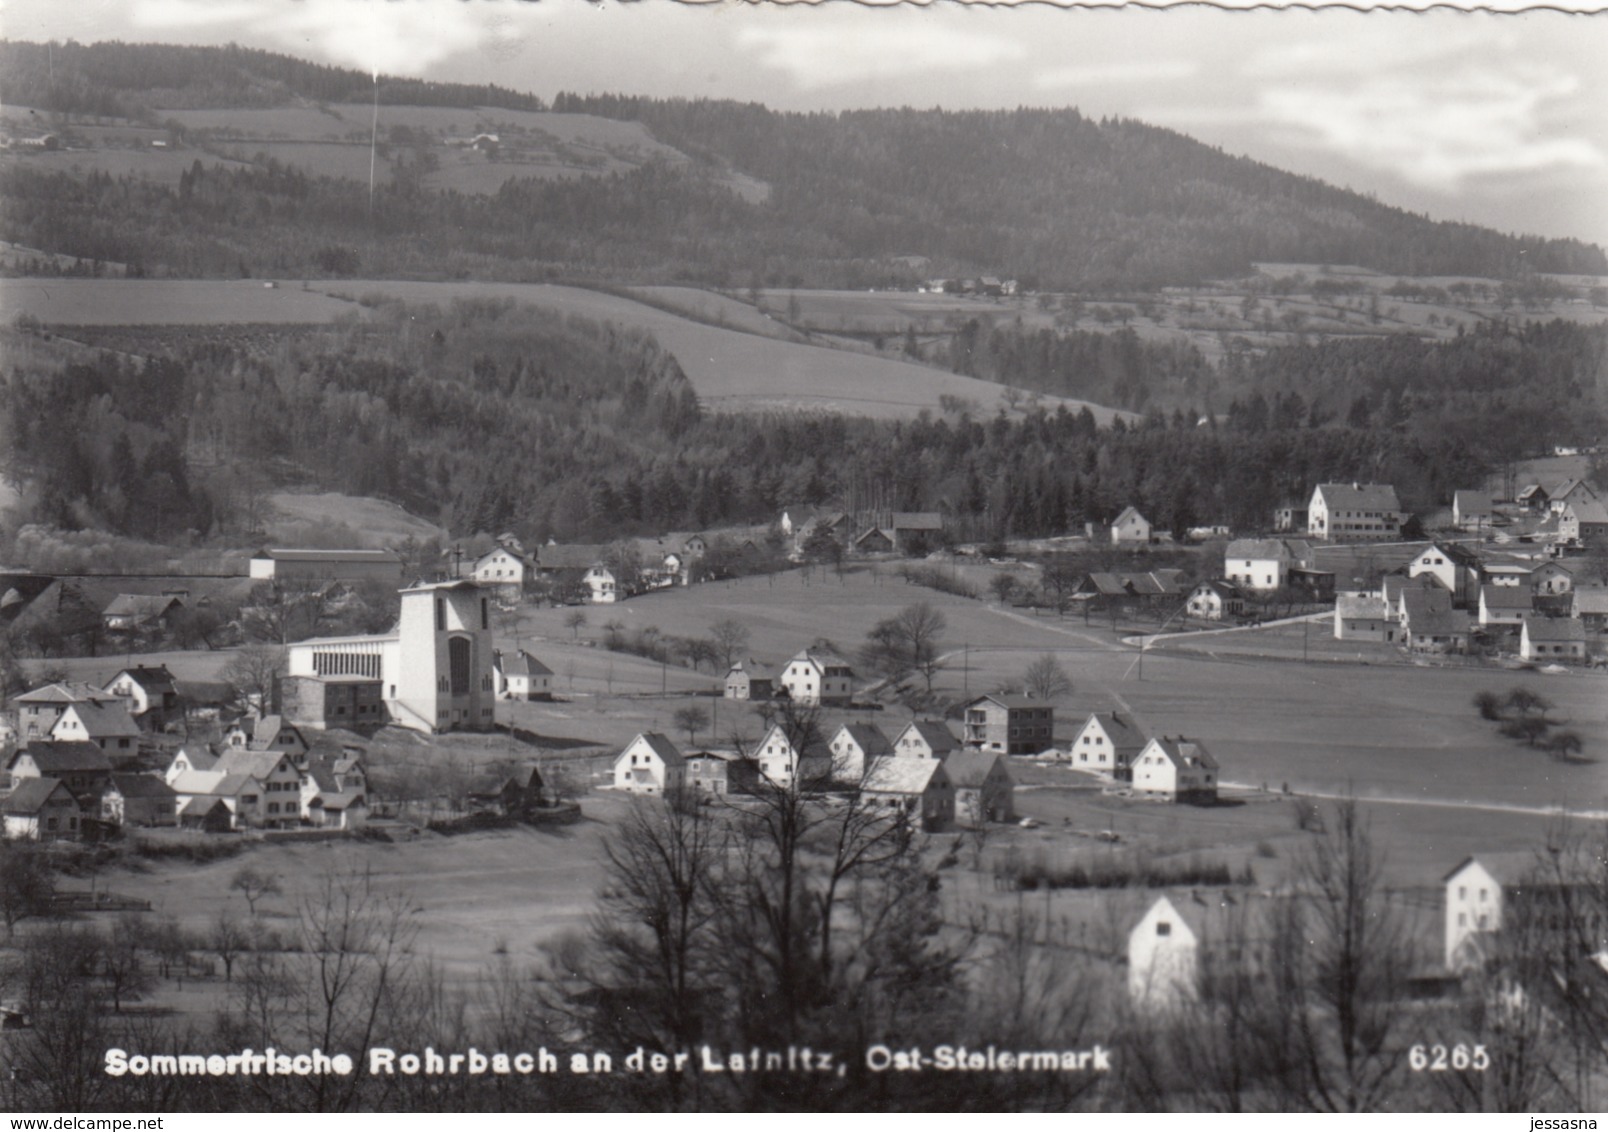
pixel 1497 119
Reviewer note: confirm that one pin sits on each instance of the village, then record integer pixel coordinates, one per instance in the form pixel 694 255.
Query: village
pixel 142 753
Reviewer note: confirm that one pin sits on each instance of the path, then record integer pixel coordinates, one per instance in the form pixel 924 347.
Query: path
pixel 1438 803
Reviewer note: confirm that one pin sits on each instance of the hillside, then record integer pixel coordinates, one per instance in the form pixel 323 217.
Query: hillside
pixel 488 183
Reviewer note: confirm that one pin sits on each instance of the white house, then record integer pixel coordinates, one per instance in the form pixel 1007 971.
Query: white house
pixel 984 789
pixel 1551 578
pixel 918 787
pixel 650 764
pixel 145 690
pixel 925 739
pixel 600 580
pixel 1489 891
pixel 435 671
pixel 1569 492
pixel 1354 512
pixel 1179 769
pixel 1130 527
pixel 1263 563
pixel 1215 600
pixel 1163 960
pixel 1552 638
pixel 1505 605
pixel 1364 617
pixel 816 677
pixel 1455 567
pixel 522 677
pixel 1584 520
pixel 108 726
pixel 503 570
pixel 745 680
pixel 855 747
pixel 783 763
pixel 1107 744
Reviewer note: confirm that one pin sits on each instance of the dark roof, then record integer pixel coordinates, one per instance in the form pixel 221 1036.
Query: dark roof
pixel 64 692
pixel 30 795
pixel 661 746
pixel 938 737
pixel 1359 496
pixel 105 719
pixel 869 738
pixel 1124 735
pixel 1186 752
pixel 145 607
pixel 970 768
pixel 1505 597
pixel 142 786
pixel 65 757
pixel 1555 629
pixel 523 664
pixel 153 678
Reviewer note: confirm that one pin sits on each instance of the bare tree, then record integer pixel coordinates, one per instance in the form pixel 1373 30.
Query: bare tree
pixel 730 638
pixel 227 939
pixel 1046 680
pixel 254 885
pixel 26 884
pixel 574 620
pixel 909 641
pixel 252 673
pixel 691 719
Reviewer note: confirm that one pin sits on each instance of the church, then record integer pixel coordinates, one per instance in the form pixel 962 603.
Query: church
pixel 432 673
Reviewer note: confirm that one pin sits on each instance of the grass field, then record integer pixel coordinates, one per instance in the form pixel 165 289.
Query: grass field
pixel 160 302
pixel 162 166
pixel 378 521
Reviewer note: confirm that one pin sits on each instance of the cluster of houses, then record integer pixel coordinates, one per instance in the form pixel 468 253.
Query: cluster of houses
pixel 1175 768
pixel 268 775
pixel 1205 945
pixel 925 771
pixel 814 677
pixel 1450 595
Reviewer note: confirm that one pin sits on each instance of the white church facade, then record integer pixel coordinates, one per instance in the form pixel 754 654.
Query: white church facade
pixel 434 672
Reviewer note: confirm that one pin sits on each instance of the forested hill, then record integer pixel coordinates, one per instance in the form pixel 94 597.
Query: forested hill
pixel 860 198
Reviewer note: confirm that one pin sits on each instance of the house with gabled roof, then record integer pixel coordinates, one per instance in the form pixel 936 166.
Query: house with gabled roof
pixel 1454 566
pixel 984 789
pixel 352 565
pixel 522 677
pixel 191 756
pixel 650 764
pixel 1107 744
pixel 80 766
pixel 149 693
pixel 41 809
pixel 1264 563
pixel 138 800
pixel 1197 945
pixel 1569 492
pixel 133 613
pixel 1583 521
pixel 1427 627
pixel 1009 725
pixel 1130 528
pixel 107 725
pixel 815 676
pixel 1552 638
pixel 39 709
pixel 1354 512
pixel 747 680
pixel 276 801
pixel 1471 510
pixel 786 762
pixel 1590 607
pixel 1364 617
pixel 856 746
pixel 503 570
pixel 1505 605
pixel 720 772
pixel 925 739
pixel 1488 891
pixel 1216 600
pixel 919 788
pixel 1176 768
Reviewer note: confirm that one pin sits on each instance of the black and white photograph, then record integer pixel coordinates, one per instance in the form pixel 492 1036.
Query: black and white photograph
pixel 564 557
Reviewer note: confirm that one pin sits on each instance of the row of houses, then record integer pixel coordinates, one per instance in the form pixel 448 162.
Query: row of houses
pixel 868 532
pixel 1447 592
pixel 1205 945
pixel 813 677
pixel 925 771
pixel 1175 768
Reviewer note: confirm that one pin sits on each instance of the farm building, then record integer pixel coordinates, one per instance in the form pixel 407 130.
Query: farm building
pixel 924 739
pixel 784 762
pixel 720 772
pixel 1009 725
pixel 207 813
pixel 1130 528
pixel 1107 744
pixel 133 613
pixel 1551 578
pixel 1471 510
pixel 650 764
pixel 140 800
pixel 1552 638
pixel 41 809
pixel 744 681
pixel 1363 617
pixel 917 787
pixel 281 564
pixel 507 794
pixel 816 677
pixel 1354 512
pixel 984 790
pixel 522 677
pixel 1179 769
pixel 1215 601
pixel 855 747
pixel 435 670
pixel 877 540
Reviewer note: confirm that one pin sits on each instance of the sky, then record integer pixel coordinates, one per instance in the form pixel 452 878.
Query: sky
pixel 1497 119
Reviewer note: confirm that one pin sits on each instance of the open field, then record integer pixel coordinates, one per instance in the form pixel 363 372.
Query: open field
pixel 731 371
pixel 163 166
pixel 380 522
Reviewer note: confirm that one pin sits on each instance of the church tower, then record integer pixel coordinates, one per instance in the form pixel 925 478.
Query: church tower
pixel 444 679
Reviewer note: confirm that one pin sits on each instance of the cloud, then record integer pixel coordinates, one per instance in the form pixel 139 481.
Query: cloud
pixel 817 57
pixel 1370 47
pixel 1436 130
pixel 1100 74
pixel 401 37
